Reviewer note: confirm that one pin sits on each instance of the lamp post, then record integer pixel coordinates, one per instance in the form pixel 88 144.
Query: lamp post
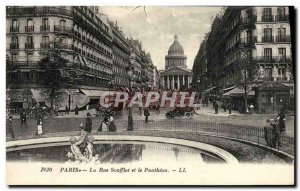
pixel 130 119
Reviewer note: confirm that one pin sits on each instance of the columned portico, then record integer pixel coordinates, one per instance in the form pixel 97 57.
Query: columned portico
pixel 176 73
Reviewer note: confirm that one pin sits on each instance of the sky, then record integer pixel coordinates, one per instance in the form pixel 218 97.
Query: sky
pixel 156 28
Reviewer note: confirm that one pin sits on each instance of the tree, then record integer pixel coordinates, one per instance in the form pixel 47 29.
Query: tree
pixel 246 74
pixel 53 65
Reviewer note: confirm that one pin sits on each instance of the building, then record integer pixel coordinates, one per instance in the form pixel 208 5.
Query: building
pixel 262 36
pixel 176 75
pixel 87 46
pixel 121 54
pixel 156 79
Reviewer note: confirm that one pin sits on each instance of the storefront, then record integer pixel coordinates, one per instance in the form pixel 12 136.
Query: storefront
pixel 272 97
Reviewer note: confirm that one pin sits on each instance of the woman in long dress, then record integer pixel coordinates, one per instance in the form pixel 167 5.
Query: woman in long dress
pixel 112 126
pixel 104 124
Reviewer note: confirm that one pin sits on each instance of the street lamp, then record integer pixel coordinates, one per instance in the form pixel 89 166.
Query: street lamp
pixel 130 118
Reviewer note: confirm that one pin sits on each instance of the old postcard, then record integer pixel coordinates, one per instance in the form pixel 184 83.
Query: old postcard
pixel 150 95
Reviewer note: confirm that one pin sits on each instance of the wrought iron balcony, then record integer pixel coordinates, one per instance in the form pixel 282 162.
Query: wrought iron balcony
pixel 29 28
pixel 248 20
pixel 267 39
pixel 45 45
pixel 272 59
pixel 60 28
pixel 29 45
pixel 19 64
pixel 267 18
pixel 248 40
pixel 45 28
pixel 281 78
pixel 282 17
pixel 22 11
pixel 14 46
pixel 64 46
pixel 14 29
pixel 283 38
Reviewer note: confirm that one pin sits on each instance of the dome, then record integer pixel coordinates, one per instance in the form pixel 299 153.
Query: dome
pixel 175 48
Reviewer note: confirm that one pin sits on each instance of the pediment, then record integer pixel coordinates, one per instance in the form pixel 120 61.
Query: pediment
pixel 176 71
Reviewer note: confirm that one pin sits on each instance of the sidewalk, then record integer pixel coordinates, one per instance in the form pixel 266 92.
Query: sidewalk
pixel 209 110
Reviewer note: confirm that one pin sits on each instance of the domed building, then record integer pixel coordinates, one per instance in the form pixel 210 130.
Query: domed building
pixel 176 75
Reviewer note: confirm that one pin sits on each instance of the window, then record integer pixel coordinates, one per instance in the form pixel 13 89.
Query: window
pixel 29 40
pixel 45 24
pixel 15 23
pixel 281 71
pixel 29 58
pixel 249 13
pixel 63 23
pixel 267 35
pixel 282 53
pixel 268 73
pixel 15 40
pixel 281 34
pixel 268 53
pixel 30 22
pixel 281 11
pixel 14 58
pixel 45 40
pixel 267 14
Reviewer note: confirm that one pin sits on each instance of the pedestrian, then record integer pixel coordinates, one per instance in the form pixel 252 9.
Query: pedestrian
pixel 88 123
pixel 140 110
pixel 281 119
pixel 251 108
pixel 9 127
pixel 276 134
pixel 67 109
pixel 56 109
pixel 23 118
pixel 224 107
pixel 146 114
pixel 76 110
pixel 268 134
pixel 158 107
pixel 39 127
pixel 216 108
pixel 112 126
pixel 229 107
pixel 104 125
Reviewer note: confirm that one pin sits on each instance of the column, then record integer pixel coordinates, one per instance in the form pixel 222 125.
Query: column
pixel 173 82
pixel 163 81
pixel 178 82
pixel 183 82
pixel 188 82
pixel 168 77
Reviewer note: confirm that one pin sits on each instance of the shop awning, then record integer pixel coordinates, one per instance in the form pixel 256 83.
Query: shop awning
pixel 228 89
pixel 237 92
pixel 96 94
pixel 208 90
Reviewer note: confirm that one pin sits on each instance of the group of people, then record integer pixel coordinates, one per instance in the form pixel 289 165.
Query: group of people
pixel 273 132
pixel 108 124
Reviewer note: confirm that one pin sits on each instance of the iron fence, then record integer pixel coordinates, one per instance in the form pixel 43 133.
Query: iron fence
pixel 238 132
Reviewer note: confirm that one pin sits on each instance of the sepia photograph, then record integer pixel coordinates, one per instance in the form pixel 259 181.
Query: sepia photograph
pixel 150 95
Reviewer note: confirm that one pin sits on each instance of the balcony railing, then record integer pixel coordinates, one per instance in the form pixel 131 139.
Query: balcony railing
pixel 283 38
pixel 14 29
pixel 13 11
pixel 267 39
pixel 281 78
pixel 271 59
pixel 24 64
pixel 60 28
pixel 249 20
pixel 29 28
pixel 45 28
pixel 14 46
pixel 64 46
pixel 248 40
pixel 45 45
pixel 267 18
pixel 29 46
pixel 282 17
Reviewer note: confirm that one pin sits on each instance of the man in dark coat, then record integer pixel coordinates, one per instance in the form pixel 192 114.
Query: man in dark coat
pixel 9 127
pixel 76 110
pixel 23 118
pixel 67 109
pixel 216 108
pixel 88 123
pixel 146 114
pixel 281 118
pixel 229 107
